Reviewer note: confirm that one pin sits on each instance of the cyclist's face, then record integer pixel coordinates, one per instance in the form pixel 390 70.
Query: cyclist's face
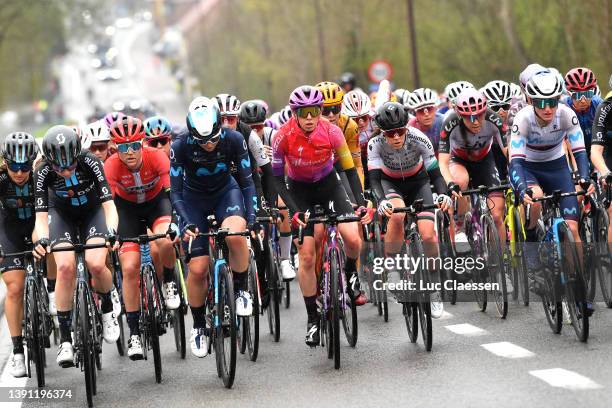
pixel 309 123
pixel 19 177
pixel 100 150
pixel 426 115
pixel 547 114
pixel 132 158
pixel 473 126
pixel 582 104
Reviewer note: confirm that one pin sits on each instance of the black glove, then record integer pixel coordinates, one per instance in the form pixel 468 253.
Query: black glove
pixel 453 187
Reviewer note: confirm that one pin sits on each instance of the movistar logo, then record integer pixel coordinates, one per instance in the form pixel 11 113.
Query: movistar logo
pixel 202 172
pixel 567 211
pixel 232 208
pixel 176 171
pixel 574 137
pixel 517 144
pixel 246 163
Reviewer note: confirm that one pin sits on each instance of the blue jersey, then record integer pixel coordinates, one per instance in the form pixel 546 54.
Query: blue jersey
pixel 208 174
pixel 585 118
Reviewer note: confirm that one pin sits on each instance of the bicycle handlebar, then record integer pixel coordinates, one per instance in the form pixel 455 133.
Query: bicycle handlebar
pixel 485 189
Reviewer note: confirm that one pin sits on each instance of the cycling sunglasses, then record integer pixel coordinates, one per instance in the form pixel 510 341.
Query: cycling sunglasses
pixel 124 147
pixel 474 118
pixel 19 167
pixel 162 141
pixel 211 140
pixel 313 111
pixel 543 103
pixel 583 94
pixel 257 127
pixel 98 147
pixel 335 109
pixel 504 106
pixel 362 118
pixel 425 109
pixel 59 169
pixel 394 133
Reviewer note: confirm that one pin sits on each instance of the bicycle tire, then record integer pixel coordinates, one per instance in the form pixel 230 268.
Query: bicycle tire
pixel 587 230
pixel 604 257
pixel 519 258
pixel 36 344
pixel 178 319
pixel 86 347
pixel 423 306
pixel 226 313
pixel 121 346
pixel 574 289
pixel 495 266
pixel 424 309
pixel 152 322
pixel 477 276
pixel 287 294
pixel 349 323
pixel 334 269
pixel 252 322
pixel 409 310
pixel 446 245
pixel 275 283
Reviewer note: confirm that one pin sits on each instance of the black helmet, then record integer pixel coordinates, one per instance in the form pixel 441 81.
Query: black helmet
pixel 348 78
pixel 20 147
pixel 252 112
pixel 61 146
pixel 391 115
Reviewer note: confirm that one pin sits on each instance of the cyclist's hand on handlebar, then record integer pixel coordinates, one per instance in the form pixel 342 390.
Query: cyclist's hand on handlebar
pixel 40 248
pixel 454 190
pixel 527 196
pixel 190 231
pixel 299 219
pixel 366 214
pixel 175 231
pixel 607 179
pixel 444 202
pixel 587 185
pixel 385 208
pixel 111 237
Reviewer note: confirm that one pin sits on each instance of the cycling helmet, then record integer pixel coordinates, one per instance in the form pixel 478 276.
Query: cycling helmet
pixel 453 89
pixel 228 104
pixel 402 95
pixel 391 115
pixel 544 85
pixel 111 118
pixel 356 103
pixel 529 71
pixel 332 93
pixel 127 129
pixel 204 119
pixel 156 127
pixel 516 91
pixel 262 102
pixel 305 95
pixel 348 78
pixel 271 124
pixel 61 146
pixel 421 98
pixel 94 132
pixel 284 115
pixel 597 91
pixel 497 92
pixel 19 147
pixel 580 79
pixel 252 112
pixel 470 102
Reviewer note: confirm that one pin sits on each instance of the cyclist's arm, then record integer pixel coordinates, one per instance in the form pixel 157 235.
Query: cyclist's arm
pixel 422 142
pixel 603 115
pixel 576 140
pixel 278 171
pixel 110 170
pixel 265 190
pixel 571 160
pixel 111 216
pixel 343 154
pixel 176 180
pixel 163 169
pixel 244 177
pixel 518 154
pixel 375 166
pixel 444 146
pixel 42 173
pixel 351 135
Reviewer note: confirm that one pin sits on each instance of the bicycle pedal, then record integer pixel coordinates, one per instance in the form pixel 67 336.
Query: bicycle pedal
pixel 67 364
pixel 137 357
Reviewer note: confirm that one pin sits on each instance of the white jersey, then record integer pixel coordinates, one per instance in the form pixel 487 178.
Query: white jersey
pixel 256 148
pixel 534 143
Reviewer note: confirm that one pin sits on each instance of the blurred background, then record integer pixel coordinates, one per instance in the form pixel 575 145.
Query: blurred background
pixel 71 61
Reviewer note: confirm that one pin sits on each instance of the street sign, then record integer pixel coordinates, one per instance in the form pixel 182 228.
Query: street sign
pixel 380 70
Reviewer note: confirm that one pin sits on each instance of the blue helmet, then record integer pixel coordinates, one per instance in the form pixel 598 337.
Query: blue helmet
pixel 157 126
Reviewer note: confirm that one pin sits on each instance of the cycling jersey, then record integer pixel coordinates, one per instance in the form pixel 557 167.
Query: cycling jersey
pixel 16 202
pixel 309 158
pixel 459 142
pixel 207 174
pixel 268 135
pixel 144 184
pixel 351 135
pixel 585 118
pixel 86 187
pixel 433 133
pixel 602 125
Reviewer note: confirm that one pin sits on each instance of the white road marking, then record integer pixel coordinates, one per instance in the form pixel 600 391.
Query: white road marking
pixel 466 329
pixel 562 378
pixel 446 316
pixel 507 350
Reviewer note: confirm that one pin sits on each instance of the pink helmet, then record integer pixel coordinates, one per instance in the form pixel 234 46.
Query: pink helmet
pixel 111 118
pixel 580 79
pixel 470 102
pixel 305 95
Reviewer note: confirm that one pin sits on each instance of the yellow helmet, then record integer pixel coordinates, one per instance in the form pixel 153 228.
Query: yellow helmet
pixel 332 93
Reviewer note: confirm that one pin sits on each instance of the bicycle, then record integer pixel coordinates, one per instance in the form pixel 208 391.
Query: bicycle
pixel 178 319
pixel 336 305
pixel 220 303
pixel 248 326
pixel 86 320
pixel 154 316
pixel 484 242
pixel 372 236
pixel 447 251
pixel 515 230
pixel 118 282
pixel 563 281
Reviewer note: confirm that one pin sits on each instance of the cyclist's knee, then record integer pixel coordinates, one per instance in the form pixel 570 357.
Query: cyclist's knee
pixel 14 290
pixel 198 268
pixel 97 268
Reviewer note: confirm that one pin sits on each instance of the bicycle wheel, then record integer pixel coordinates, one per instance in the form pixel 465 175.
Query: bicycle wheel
pixel 574 289
pixel 85 344
pixel 587 231
pixel 411 315
pixel 446 251
pixel 423 305
pixel 604 257
pixel 252 322
pixel 287 294
pixel 348 311
pixel 35 341
pixel 424 309
pixel 178 319
pixel 334 275
pixel 474 238
pixel 152 323
pixel 226 327
pixel 495 265
pixel 274 290
pixel 518 260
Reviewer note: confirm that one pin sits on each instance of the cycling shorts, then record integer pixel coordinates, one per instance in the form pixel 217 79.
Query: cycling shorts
pixel 410 190
pixel 550 176
pixel 327 193
pixel 136 218
pixel 228 203
pixel 482 173
pixel 65 224
pixel 12 235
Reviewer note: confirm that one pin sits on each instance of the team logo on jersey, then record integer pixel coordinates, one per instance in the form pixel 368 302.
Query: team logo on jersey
pixel 232 208
pixel 104 190
pixel 517 144
pixel 574 120
pixel 17 261
pixel 574 137
pixel 515 129
pixel 67 235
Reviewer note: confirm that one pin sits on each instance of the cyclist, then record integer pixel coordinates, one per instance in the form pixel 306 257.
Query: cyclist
pixel 601 149
pixel 348 81
pixel 401 163
pixel 19 151
pixel 139 180
pixel 537 160
pixel 307 144
pixel 202 184
pixel 253 113
pixel 73 198
pixel 332 105
pixel 499 100
pixel 422 102
pixel 96 138
pixel 284 115
pixel 466 158
pixel 451 92
pixel 357 106
pixel 158 133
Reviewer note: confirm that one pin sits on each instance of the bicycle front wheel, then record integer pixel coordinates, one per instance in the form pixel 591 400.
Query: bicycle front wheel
pixel 334 269
pixel 86 345
pixel 495 265
pixel 152 313
pixel 225 327
pixel 518 261
pixel 475 240
pixel 35 342
pixel 252 322
pixel 604 257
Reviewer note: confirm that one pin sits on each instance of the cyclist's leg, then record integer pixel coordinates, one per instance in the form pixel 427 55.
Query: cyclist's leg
pixel 461 177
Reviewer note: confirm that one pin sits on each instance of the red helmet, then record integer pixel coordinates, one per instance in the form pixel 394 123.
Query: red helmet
pixel 580 79
pixel 127 129
pixel 470 102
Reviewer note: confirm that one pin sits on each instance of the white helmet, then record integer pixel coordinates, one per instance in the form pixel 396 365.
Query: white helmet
pixel 497 93
pixel 422 97
pixel 284 115
pixel 544 85
pixel 402 95
pixel 453 89
pixel 356 103
pixel 529 71
pixel 94 132
pixel 228 104
pixel 597 91
pixel 203 119
pixel 516 91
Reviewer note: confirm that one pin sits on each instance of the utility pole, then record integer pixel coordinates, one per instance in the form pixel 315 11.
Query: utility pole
pixel 413 44
pixel 321 39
